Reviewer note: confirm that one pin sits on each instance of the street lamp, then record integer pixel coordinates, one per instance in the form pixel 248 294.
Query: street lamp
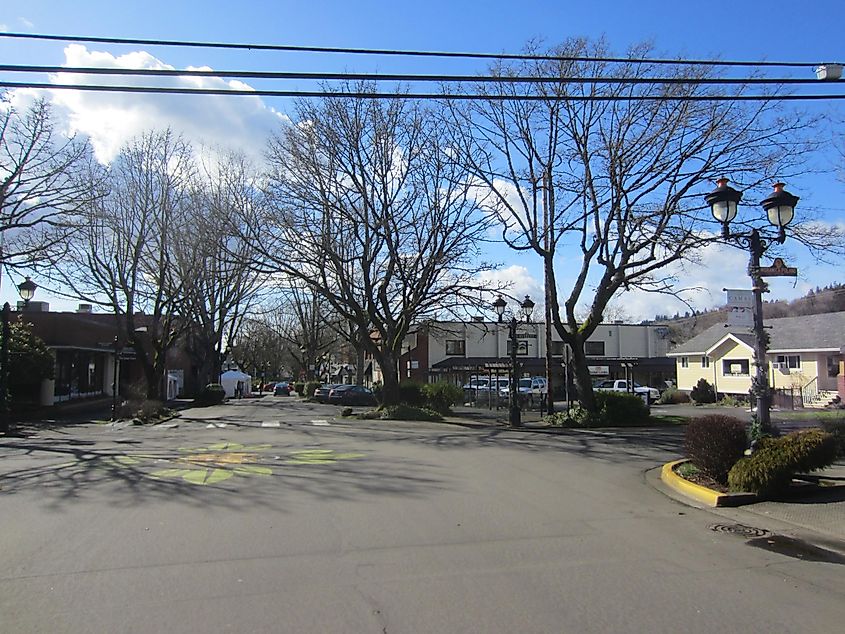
pixel 780 210
pixel 27 292
pixel 526 308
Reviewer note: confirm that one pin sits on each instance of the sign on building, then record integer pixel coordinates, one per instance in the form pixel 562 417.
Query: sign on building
pixel 740 308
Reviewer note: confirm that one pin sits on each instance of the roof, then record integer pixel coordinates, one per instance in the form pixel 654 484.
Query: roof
pixel 825 331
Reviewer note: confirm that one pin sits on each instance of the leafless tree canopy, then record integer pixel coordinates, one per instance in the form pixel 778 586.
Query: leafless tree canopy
pixel 371 212
pixel 44 181
pixel 613 186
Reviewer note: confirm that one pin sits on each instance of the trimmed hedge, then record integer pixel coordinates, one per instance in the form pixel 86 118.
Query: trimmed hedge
pixel 769 470
pixel 411 393
pixel 212 394
pixel 715 443
pixel 837 428
pixel 309 388
pixel 402 412
pixel 615 409
pixel 299 388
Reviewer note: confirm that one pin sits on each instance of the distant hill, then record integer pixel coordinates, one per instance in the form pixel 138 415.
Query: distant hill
pixel 830 299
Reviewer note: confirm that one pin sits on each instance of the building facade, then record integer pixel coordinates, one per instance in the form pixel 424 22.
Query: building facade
pixel 805 353
pixel 456 351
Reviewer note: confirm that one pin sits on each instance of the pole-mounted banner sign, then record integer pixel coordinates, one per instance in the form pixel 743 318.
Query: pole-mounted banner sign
pixel 740 308
pixel 778 269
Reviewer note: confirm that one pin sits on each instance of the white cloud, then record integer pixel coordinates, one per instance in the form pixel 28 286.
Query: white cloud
pixel 28 24
pixel 519 282
pixel 111 119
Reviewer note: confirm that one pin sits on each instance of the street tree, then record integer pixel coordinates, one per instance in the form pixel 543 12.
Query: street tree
pixel 123 258
pixel 604 180
pixel 44 183
pixel 214 261
pixel 371 212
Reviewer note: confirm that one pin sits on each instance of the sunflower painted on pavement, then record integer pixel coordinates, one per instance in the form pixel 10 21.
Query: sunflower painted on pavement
pixel 216 463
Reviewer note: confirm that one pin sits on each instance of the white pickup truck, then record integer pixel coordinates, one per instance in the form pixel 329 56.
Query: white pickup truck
pixel 621 385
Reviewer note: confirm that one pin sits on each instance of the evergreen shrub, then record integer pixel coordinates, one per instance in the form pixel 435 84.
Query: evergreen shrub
pixel 769 470
pixel 411 393
pixel 715 443
pixel 441 396
pixel 703 392
pixel 212 394
pixel 673 396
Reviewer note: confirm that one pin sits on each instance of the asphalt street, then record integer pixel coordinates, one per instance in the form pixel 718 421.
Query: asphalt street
pixel 272 515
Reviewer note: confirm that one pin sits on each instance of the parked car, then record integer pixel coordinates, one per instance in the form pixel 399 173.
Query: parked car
pixel 531 389
pixel 621 385
pixel 322 392
pixel 282 389
pixel 351 395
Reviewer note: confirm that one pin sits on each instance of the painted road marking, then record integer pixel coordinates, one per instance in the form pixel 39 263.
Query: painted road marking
pixel 271 423
pixel 320 422
pixel 213 425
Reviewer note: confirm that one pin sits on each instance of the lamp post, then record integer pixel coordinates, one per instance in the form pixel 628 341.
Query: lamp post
pixel 780 210
pixel 26 289
pixel 527 308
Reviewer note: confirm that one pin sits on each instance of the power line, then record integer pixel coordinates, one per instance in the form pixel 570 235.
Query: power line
pixel 408 95
pixel 404 77
pixel 398 52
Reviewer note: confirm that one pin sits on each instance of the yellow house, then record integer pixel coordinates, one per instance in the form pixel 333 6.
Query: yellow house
pixel 804 354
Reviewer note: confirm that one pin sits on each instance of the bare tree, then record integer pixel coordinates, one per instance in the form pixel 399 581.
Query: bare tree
pixel 372 214
pixel 44 183
pixel 123 258
pixel 214 261
pixel 612 174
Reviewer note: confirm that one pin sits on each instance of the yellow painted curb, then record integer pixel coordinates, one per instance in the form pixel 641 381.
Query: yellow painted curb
pixel 696 491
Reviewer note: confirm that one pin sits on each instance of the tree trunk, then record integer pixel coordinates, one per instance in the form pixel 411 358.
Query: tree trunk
pixel 583 380
pixel 390 390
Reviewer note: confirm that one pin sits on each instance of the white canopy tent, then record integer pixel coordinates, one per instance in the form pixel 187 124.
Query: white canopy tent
pixel 230 379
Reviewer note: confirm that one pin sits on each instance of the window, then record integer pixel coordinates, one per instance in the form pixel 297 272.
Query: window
pixel 594 348
pixel 521 347
pixel 735 367
pixel 705 362
pixel 684 362
pixel 558 348
pixel 791 361
pixel 455 347
pixel 832 366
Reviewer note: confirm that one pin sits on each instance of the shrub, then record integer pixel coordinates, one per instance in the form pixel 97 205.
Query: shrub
pixel 411 393
pixel 728 400
pixel 346 411
pixel 299 388
pixel 715 443
pixel 615 409
pixel 309 389
pixel 401 412
pixel 212 394
pixel 769 470
pixel 703 392
pixel 441 396
pixel 673 396
pixel 837 429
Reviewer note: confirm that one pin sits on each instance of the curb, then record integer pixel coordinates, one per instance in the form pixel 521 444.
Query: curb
pixel 701 493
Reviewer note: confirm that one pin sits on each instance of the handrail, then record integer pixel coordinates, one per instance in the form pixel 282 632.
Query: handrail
pixel 810 391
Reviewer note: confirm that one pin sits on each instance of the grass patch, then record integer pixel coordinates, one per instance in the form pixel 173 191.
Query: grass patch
pixel 836 415
pixel 687 470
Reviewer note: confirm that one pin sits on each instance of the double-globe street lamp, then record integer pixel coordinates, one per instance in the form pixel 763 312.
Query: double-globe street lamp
pixel 527 308
pixel 780 210
pixel 27 292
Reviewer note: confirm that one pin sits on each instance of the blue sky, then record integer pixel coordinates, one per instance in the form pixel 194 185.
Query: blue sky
pixel 751 30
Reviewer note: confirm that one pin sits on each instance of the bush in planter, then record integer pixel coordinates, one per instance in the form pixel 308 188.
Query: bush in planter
pixel 441 396
pixel 703 392
pixel 769 470
pixel 212 394
pixel 715 443
pixel 837 428
pixel 309 389
pixel 299 388
pixel 411 393
pixel 615 409
pixel 673 396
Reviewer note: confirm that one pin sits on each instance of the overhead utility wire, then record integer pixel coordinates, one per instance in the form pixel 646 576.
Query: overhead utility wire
pixel 258 74
pixel 396 52
pixel 378 95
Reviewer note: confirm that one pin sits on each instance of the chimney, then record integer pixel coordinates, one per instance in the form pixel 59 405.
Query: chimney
pixel 85 308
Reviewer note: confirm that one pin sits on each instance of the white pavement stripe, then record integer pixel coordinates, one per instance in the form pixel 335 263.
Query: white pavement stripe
pixel 213 425
pixel 320 422
pixel 271 423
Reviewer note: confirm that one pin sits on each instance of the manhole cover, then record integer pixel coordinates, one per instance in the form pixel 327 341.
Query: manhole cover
pixel 740 529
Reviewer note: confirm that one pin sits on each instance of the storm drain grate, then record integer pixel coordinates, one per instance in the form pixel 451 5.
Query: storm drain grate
pixel 741 530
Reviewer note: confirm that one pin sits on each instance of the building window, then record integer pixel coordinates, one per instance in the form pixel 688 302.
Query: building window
pixel 705 362
pixel 684 362
pixel 832 367
pixel 791 361
pixel 735 367
pixel 594 348
pixel 521 347
pixel 558 348
pixel 455 347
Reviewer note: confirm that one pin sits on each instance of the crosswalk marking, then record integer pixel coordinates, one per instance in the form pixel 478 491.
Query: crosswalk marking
pixel 320 422
pixel 271 423
pixel 213 425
